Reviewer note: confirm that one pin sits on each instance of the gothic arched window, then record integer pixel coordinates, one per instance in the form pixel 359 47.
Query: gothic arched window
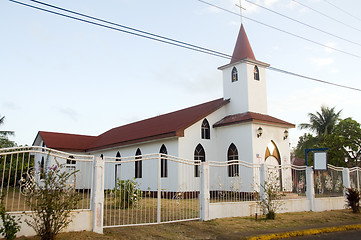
pixel 234 74
pixel 138 164
pixel 164 162
pixel 199 156
pixel 256 73
pixel 232 156
pixel 205 130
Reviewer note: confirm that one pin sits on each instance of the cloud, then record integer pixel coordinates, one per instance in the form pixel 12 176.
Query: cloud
pixel 329 46
pixel 10 105
pixel 321 62
pixel 269 3
pixel 68 112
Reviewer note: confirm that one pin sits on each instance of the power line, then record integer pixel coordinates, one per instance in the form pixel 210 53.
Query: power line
pixel 325 15
pixel 305 24
pixel 163 40
pixel 342 10
pixel 284 31
pixel 195 48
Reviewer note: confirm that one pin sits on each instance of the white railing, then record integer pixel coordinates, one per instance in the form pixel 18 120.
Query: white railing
pixel 149 189
pixel 18 164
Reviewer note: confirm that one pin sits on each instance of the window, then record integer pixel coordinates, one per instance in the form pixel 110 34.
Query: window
pixel 234 74
pixel 256 73
pixel 70 160
pixel 205 130
pixel 232 156
pixel 118 157
pixel 164 162
pixel 70 168
pixel 117 167
pixel 42 163
pixel 199 156
pixel 138 164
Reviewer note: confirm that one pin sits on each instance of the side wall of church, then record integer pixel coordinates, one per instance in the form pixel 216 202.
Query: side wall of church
pixel 149 167
pixel 240 135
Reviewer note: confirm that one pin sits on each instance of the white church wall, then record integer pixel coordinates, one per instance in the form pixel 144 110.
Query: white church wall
pixel 149 167
pixel 246 94
pixel 239 135
pixel 257 90
pixel 188 144
pixel 273 134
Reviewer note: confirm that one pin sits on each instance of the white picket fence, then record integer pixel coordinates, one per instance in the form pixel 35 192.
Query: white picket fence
pixel 167 188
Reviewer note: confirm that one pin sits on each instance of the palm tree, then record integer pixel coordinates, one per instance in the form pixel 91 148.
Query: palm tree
pixel 4 134
pixel 322 123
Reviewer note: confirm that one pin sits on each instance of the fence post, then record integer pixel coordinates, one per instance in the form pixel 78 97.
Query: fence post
pixel 97 204
pixel 310 188
pixel 204 192
pixel 346 179
pixel 262 182
pixel 160 157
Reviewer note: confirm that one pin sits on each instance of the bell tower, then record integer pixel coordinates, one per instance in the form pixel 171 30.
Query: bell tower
pixel 244 79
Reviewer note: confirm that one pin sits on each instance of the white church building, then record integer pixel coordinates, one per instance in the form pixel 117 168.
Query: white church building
pixel 235 127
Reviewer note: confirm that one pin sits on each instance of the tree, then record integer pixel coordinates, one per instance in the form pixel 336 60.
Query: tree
pixel 304 142
pixel 345 143
pixel 4 141
pixel 322 123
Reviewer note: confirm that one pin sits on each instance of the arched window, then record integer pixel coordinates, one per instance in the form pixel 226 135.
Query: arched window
pixel 232 156
pixel 164 162
pixel 70 160
pixel 118 157
pixel 42 163
pixel 138 164
pixel 205 130
pixel 234 74
pixel 273 160
pixel 256 73
pixel 199 155
pixel 117 167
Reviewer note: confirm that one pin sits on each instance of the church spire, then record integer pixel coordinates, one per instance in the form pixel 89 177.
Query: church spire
pixel 243 48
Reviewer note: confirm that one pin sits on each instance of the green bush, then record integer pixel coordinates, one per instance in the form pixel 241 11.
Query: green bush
pixel 50 199
pixel 353 199
pixel 10 226
pixel 126 194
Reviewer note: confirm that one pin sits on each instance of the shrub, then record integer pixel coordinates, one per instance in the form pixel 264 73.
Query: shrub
pixel 271 201
pixel 50 199
pixel 353 199
pixel 10 226
pixel 126 194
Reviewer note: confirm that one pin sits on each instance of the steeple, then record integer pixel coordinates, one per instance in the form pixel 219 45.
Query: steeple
pixel 243 48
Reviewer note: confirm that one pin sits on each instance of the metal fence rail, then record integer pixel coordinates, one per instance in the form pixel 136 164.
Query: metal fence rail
pixel 355 177
pixel 17 164
pixel 149 189
pixel 233 181
pixel 329 183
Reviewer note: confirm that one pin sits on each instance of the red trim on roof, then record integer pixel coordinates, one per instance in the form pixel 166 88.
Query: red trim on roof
pixel 252 117
pixel 164 126
pixel 243 48
pixel 167 125
pixel 65 141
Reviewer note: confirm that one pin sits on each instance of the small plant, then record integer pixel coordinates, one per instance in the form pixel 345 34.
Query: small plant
pixel 51 199
pixel 353 199
pixel 126 194
pixel 10 224
pixel 271 201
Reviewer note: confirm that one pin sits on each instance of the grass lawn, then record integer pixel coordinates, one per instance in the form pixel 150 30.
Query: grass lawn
pixel 226 228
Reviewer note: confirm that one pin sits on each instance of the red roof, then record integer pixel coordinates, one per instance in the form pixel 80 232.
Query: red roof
pixel 243 48
pixel 65 141
pixel 251 117
pixel 167 125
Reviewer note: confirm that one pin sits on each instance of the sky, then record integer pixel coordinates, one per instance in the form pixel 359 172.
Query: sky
pixel 62 75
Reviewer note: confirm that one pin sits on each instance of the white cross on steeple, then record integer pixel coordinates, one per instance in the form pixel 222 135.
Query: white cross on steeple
pixel 240 8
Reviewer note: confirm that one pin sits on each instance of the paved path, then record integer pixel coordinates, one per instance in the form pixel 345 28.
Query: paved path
pixel 349 235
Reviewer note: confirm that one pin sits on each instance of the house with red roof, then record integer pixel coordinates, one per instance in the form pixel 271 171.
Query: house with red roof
pixel 234 127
